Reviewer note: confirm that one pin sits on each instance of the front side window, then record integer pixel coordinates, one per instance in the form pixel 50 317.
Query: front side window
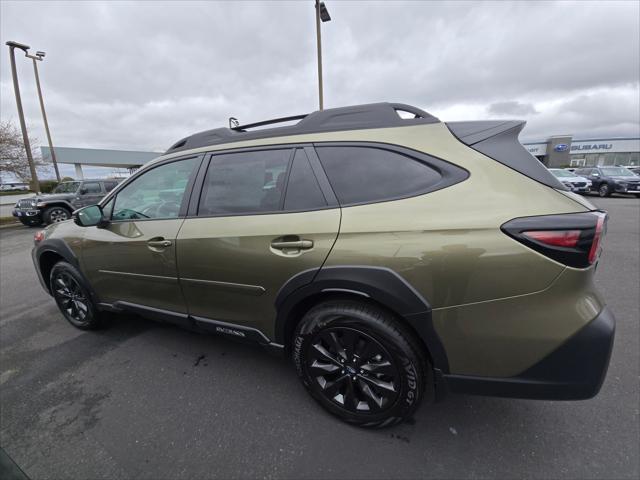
pixel 369 174
pixel 67 187
pixel 245 182
pixel 157 193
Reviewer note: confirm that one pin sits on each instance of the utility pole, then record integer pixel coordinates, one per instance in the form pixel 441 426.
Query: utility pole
pixel 322 14
pixel 35 184
pixel 39 56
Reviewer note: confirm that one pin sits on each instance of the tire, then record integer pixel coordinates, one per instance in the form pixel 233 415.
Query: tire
pixel 56 214
pixel 69 290
pixel 360 363
pixel 604 190
pixel 31 222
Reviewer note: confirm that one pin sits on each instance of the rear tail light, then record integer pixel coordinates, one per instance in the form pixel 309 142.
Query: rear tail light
pixel 573 239
pixel 39 236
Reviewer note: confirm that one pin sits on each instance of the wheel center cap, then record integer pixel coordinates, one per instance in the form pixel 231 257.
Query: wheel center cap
pixel 351 370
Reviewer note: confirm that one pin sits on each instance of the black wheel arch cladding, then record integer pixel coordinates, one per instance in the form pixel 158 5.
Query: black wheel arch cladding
pixel 380 285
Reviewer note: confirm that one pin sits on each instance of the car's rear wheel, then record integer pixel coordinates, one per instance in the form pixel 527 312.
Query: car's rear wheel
pixel 56 214
pixel 73 298
pixel 604 190
pixel 360 363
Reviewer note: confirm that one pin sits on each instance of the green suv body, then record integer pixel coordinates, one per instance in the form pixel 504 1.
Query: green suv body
pixel 391 259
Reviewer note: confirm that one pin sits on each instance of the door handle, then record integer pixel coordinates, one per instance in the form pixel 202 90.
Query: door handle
pixel 297 244
pixel 159 243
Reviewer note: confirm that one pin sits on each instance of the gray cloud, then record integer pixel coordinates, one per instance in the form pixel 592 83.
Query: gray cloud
pixel 140 75
pixel 512 107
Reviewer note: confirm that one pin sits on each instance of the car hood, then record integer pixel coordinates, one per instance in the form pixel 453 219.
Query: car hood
pixel 625 179
pixel 575 179
pixel 54 196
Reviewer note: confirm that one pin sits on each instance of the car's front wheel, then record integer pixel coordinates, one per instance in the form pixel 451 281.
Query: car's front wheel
pixel 56 214
pixel 73 297
pixel 360 363
pixel 604 190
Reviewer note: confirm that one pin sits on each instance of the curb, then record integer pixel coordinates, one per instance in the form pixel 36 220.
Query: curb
pixel 11 225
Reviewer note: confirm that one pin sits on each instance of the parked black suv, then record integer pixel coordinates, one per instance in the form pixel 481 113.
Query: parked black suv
pixel 65 198
pixel 608 180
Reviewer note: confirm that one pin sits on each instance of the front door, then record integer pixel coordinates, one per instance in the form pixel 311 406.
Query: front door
pixel 262 219
pixel 89 193
pixel 133 259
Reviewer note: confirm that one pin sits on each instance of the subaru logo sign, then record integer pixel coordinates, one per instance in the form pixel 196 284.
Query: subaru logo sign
pixel 561 147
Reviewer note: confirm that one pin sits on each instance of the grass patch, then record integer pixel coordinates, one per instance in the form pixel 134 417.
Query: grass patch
pixel 16 192
pixel 8 220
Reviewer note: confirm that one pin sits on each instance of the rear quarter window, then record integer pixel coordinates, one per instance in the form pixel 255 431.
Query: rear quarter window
pixel 368 174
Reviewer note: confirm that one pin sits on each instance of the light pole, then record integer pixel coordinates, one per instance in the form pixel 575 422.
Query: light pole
pixel 39 56
pixel 322 14
pixel 35 184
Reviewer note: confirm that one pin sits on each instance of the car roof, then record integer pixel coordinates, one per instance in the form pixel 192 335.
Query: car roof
pixel 372 115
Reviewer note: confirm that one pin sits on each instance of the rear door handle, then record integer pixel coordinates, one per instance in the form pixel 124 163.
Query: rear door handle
pixel 297 244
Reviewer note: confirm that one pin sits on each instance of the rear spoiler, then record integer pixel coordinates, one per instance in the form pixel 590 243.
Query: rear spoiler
pixel 498 139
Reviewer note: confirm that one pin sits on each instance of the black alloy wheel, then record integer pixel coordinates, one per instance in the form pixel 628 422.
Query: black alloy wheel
pixel 360 363
pixel 72 297
pixel 603 191
pixel 353 370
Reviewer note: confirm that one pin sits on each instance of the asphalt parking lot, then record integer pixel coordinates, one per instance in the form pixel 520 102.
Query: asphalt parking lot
pixel 146 400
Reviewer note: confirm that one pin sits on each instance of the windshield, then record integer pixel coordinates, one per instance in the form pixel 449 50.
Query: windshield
pixel 67 187
pixel 563 173
pixel 617 172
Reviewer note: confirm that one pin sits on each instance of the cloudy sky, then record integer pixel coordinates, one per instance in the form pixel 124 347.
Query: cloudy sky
pixel 140 75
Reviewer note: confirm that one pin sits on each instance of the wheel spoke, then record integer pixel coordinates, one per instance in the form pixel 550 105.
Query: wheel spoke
pixel 331 389
pixel 326 367
pixel 384 367
pixel 351 399
pixel 389 386
pixel 325 353
pixel 376 399
pixel 335 343
pixel 348 340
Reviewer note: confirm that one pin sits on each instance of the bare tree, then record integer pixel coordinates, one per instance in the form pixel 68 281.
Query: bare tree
pixel 13 157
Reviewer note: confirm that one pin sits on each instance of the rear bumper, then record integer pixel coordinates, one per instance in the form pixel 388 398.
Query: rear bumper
pixel 574 371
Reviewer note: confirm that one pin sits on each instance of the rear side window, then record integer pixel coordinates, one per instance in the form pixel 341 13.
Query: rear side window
pixel 108 186
pixel 91 187
pixel 370 174
pixel 245 182
pixel 303 191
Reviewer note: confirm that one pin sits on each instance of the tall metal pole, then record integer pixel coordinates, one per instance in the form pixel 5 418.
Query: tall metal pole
pixel 44 115
pixel 35 184
pixel 319 41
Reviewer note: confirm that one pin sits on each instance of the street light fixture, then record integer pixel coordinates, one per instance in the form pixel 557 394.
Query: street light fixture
pixel 322 14
pixel 35 184
pixel 39 56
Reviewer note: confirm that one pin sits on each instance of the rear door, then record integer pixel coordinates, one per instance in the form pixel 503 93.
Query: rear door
pixel 263 216
pixel 133 259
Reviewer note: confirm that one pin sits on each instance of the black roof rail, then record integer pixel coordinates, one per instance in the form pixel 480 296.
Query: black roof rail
pixel 357 117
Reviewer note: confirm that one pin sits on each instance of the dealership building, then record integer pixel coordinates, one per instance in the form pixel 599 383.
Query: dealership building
pixel 565 151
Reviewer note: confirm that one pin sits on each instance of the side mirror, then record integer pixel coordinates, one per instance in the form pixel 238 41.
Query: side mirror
pixel 83 191
pixel 90 216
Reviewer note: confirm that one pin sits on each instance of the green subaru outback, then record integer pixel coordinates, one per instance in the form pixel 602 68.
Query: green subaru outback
pixel 391 258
